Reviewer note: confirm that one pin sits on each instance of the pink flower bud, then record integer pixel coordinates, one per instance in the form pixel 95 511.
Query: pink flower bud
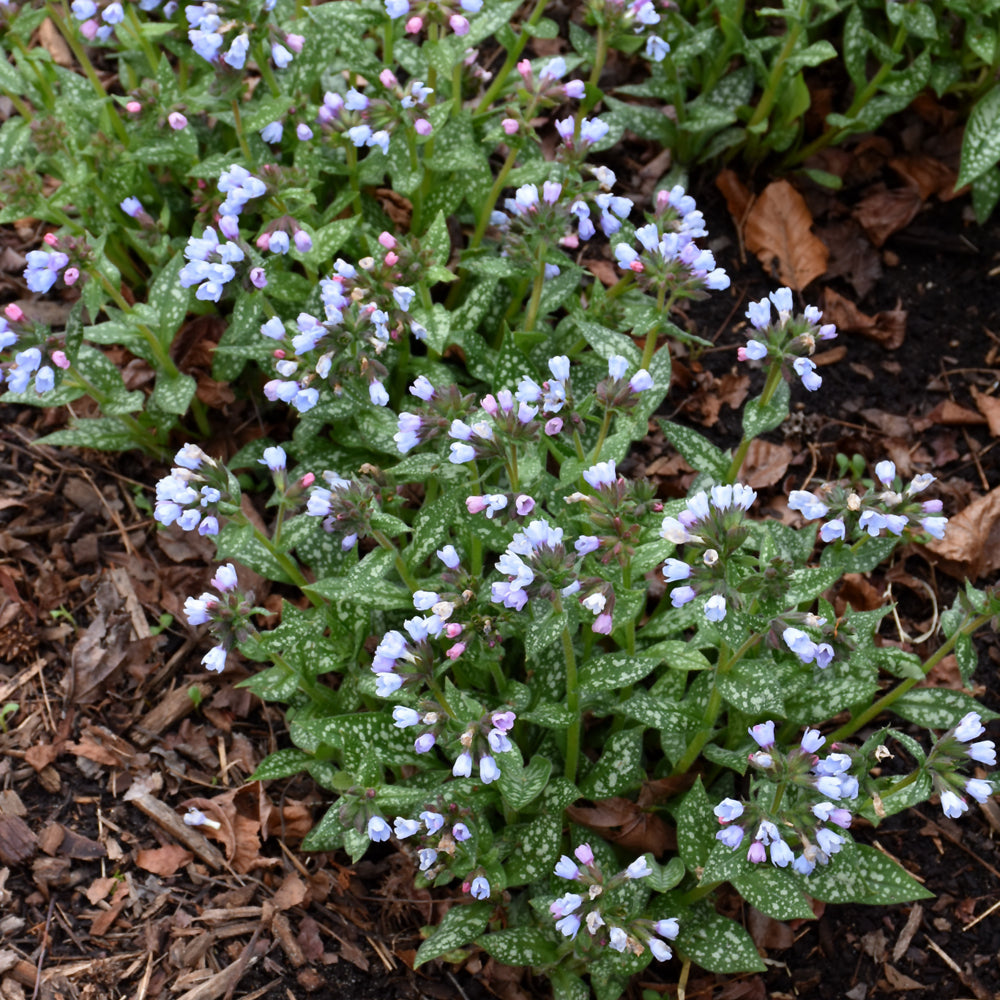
pixel 307 480
pixel 176 121
pixel 602 625
pixel 662 199
pixel 60 360
pixel 414 25
pixel 258 277
pixel 456 651
pixel 553 426
pixel 278 353
pixel 70 276
pixel 489 404
pixel 510 125
pixel 14 313
pixel 571 241
pixel 423 126
pixel 475 505
pixel 524 504
pixel 391 259
pixel 295 42
pixel 264 241
pixel 51 239
pixel 453 630
pixel 388 78
pixel 637 266
pixel 584 854
pixel 134 107
pixel 387 240
pixel 524 68
pixel 459 24
pixel 741 354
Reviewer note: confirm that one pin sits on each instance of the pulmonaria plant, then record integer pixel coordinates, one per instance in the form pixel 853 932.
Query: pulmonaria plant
pixel 383 235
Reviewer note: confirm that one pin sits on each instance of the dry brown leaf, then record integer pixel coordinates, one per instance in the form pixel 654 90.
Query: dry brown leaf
pixel 164 861
pixel 103 921
pixel 899 981
pixel 888 327
pixel 765 464
pixel 41 755
pixel 989 407
pixel 778 230
pixel 768 933
pixel 624 822
pixel 971 544
pixel 852 256
pixel 929 176
pixel 290 893
pixel 884 212
pixel 952 414
pixel 100 887
pixel 55 44
pixel 737 195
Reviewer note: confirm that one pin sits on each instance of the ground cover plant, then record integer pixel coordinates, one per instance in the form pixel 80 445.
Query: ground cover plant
pixel 483 623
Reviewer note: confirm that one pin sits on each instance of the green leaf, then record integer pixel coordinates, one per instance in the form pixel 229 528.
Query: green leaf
pixel 808 582
pixel 697 450
pixel 548 714
pixel 860 874
pixel 985 194
pixel 238 542
pixel 520 946
pixel 938 708
pixel 615 670
pixel 717 943
pixel 759 419
pixel 619 768
pixel 520 786
pixel 331 237
pixel 981 141
pixel 173 394
pixel 99 433
pixel 655 712
pixel 535 848
pixel 327 834
pixel 757 688
pixel 437 241
pixel 282 764
pixel 544 633
pixel 696 824
pixel 433 525
pixel 170 301
pixel 461 925
pixel 665 877
pixel 776 892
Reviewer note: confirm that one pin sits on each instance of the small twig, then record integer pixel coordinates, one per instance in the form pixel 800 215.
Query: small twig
pixel 43 949
pixel 985 913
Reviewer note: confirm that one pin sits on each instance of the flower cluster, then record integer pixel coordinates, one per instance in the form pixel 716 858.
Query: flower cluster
pixel 226 25
pixel 86 11
pixel 440 12
pixel 536 563
pixel 791 339
pixel 712 522
pixel 890 507
pixel 668 259
pixel 606 923
pixel 209 265
pixel 954 749
pixel 346 507
pixel 43 269
pixel 815 791
pixel 29 367
pixel 196 492
pixel 228 613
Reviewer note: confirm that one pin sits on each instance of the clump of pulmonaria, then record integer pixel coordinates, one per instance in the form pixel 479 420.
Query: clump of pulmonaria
pixel 226 32
pixel 668 261
pixel 614 510
pixel 537 564
pixel 953 752
pixel 443 14
pixel 228 613
pixel 811 810
pixel 593 908
pixel 196 493
pixel 346 506
pixel 433 419
pixel 888 507
pixel 790 340
pixel 712 530
pixel 30 367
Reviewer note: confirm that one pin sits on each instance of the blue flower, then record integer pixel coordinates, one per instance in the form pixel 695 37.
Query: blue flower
pixel 480 888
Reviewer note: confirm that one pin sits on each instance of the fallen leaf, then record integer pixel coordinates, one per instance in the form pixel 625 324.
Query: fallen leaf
pixel 55 44
pixel 766 463
pixel 971 544
pixel 624 822
pixel 737 195
pixel 290 893
pixel 952 414
pixel 41 755
pixel 898 981
pixel 768 933
pixel 164 861
pixel 103 921
pixel 99 888
pixel 852 256
pixel 778 230
pixel 989 407
pixel 887 327
pixel 928 175
pixel 884 211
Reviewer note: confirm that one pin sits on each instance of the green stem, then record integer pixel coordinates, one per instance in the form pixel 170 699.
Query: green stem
pixel 107 105
pixel 238 125
pixel 491 198
pixel 152 56
pixel 600 57
pixel 285 561
pixel 401 566
pixel 575 729
pixel 890 697
pixel 663 307
pixel 770 387
pixel 513 54
pixel 605 425
pixel 264 65
pixel 48 95
pixel 388 37
pixel 536 289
